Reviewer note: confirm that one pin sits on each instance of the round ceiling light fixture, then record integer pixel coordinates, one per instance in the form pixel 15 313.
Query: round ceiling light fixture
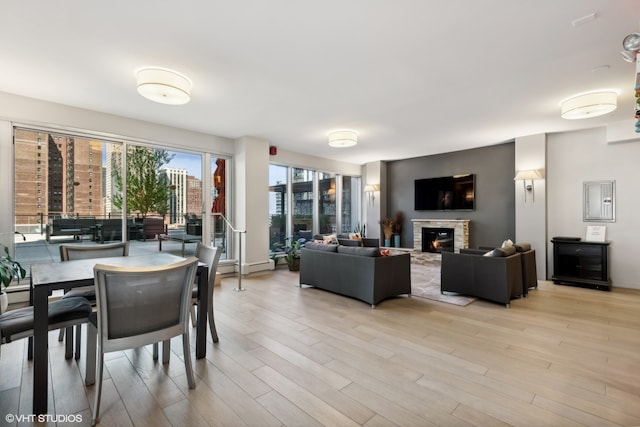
pixel 164 86
pixel 343 138
pixel 587 105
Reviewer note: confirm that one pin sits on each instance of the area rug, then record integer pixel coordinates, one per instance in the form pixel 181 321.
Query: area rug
pixel 425 283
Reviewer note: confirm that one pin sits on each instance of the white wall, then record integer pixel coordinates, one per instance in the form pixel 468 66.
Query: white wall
pixel 576 157
pixel 251 202
pixel 530 153
pixel 290 158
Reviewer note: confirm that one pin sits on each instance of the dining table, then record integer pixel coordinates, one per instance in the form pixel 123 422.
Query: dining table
pixel 47 277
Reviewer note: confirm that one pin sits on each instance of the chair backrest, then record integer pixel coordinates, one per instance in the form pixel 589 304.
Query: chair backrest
pixel 73 252
pixel 211 257
pixel 142 305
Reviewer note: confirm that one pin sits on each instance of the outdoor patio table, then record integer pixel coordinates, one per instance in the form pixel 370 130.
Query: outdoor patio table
pixel 71 274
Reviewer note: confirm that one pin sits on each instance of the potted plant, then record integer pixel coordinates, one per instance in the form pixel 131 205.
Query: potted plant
pixel 397 228
pixel 292 253
pixel 387 230
pixel 10 269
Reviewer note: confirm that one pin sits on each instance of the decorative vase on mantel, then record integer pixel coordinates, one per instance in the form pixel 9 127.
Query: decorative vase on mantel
pixel 396 240
pixel 387 243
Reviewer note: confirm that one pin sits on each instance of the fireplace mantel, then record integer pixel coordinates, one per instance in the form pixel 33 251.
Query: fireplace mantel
pixel 460 233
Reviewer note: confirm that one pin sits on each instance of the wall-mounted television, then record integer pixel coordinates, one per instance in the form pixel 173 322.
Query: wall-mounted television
pixel 447 193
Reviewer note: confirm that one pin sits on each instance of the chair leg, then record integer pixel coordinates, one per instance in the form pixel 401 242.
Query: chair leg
pixel 92 339
pixel 186 348
pixel 193 315
pixel 96 404
pixel 155 351
pixel 166 351
pixel 30 349
pixel 61 335
pixel 78 340
pixel 68 344
pixel 212 323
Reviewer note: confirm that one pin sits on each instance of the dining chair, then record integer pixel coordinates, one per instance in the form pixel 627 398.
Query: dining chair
pixel 70 252
pixel 18 323
pixel 137 307
pixel 210 256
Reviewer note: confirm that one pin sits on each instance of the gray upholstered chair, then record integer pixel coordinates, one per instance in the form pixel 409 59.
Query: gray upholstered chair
pixel 137 307
pixel 18 323
pixel 529 269
pixel 70 252
pixel 497 277
pixel 211 257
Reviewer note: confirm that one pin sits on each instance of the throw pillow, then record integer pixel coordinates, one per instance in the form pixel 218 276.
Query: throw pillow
pixel 331 238
pixel 522 247
pixel 507 243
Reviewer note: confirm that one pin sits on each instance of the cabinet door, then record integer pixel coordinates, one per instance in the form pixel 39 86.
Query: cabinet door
pixel 590 262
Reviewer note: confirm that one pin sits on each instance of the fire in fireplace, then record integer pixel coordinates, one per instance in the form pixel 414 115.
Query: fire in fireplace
pixel 436 240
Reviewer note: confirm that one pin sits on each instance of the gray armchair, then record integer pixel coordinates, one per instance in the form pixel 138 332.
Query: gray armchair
pixel 138 307
pixel 495 278
pixel 529 269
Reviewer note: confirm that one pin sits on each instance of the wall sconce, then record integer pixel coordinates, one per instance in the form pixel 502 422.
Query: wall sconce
pixel 527 177
pixel 370 190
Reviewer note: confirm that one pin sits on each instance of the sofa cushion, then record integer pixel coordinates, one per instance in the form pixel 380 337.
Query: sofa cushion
pixel 320 247
pixel 370 242
pixel 502 252
pixel 349 242
pixel 357 250
pixel 522 247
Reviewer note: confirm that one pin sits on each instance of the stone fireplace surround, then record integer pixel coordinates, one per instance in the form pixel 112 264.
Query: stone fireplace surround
pixel 460 235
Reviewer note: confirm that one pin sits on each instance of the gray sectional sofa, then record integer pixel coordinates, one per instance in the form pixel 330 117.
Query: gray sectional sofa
pixel 357 272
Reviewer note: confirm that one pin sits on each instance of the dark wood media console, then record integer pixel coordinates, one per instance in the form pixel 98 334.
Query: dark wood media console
pixel 581 263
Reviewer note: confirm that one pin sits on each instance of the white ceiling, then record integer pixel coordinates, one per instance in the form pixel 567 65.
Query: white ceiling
pixel 414 77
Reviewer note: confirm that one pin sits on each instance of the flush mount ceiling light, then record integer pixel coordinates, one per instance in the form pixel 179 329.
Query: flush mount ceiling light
pixel 587 105
pixel 163 85
pixel 343 138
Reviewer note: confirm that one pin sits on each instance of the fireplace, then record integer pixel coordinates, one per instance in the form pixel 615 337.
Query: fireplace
pixel 437 240
pixel 460 236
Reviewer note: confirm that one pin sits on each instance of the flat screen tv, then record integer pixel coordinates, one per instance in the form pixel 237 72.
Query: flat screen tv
pixel 447 193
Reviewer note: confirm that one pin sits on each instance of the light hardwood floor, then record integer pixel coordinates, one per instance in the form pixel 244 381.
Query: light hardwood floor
pixel 288 356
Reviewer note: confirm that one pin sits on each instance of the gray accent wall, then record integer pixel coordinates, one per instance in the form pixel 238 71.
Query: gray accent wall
pixel 493 219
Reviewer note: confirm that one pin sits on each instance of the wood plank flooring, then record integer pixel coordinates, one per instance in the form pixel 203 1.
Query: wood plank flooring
pixel 288 356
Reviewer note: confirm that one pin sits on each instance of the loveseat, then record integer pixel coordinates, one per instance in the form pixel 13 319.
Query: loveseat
pixel 357 272
pixel 495 277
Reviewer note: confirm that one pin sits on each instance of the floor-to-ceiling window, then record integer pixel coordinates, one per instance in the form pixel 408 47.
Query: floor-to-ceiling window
pixel 278 206
pixel 59 176
pixel 219 225
pixel 350 205
pixel 73 187
pixel 327 221
pixel 304 202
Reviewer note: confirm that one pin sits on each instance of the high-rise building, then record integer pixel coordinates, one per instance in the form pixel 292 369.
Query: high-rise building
pixel 56 175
